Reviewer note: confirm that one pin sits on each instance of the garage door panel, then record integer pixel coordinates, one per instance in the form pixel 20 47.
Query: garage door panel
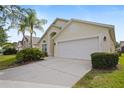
pixel 80 49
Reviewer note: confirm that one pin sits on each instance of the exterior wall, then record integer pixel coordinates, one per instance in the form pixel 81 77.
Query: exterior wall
pixel 60 23
pixel 111 44
pixel 41 42
pixel 47 38
pixel 78 30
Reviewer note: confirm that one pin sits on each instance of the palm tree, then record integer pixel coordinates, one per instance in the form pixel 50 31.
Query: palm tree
pixel 22 28
pixel 34 23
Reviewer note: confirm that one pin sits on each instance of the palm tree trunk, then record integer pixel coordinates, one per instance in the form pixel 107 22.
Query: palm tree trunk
pixel 31 40
pixel 23 39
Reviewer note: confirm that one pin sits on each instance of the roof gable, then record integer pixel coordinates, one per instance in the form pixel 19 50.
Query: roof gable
pixel 52 25
pixel 111 27
pixel 68 22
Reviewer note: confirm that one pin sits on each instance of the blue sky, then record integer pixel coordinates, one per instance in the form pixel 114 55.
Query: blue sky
pixel 103 14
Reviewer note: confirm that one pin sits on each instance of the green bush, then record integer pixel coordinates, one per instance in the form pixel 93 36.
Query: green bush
pixel 9 51
pixel 104 60
pixel 29 54
pixel 119 53
pixel 44 54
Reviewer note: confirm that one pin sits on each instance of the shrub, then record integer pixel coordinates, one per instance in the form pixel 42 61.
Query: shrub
pixel 44 54
pixel 104 60
pixel 29 54
pixel 119 53
pixel 9 51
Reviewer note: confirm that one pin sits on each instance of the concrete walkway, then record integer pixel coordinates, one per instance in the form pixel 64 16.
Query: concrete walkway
pixel 52 72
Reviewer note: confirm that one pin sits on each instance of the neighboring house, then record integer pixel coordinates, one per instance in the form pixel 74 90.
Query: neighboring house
pixel 19 45
pixel 25 43
pixel 77 38
pixel 122 46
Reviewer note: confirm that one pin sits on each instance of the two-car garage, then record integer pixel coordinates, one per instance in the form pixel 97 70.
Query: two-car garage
pixel 78 48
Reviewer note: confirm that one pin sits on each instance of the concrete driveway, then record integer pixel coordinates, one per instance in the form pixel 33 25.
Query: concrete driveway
pixel 52 72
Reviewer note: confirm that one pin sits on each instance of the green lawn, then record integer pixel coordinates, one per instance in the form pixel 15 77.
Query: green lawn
pixel 104 78
pixel 6 61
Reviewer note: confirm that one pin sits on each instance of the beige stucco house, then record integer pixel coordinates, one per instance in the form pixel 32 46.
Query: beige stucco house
pixel 77 39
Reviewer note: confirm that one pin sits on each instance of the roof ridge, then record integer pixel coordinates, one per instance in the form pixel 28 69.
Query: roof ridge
pixel 93 22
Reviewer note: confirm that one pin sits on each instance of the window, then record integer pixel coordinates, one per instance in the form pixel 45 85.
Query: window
pixel 44 47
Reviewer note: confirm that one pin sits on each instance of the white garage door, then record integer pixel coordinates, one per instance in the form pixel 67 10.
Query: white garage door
pixel 80 49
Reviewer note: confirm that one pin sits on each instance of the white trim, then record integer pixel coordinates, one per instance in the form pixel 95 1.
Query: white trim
pixel 95 36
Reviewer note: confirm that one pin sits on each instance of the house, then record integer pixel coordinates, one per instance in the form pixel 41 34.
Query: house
pixel 25 43
pixel 122 46
pixel 77 38
pixel 19 46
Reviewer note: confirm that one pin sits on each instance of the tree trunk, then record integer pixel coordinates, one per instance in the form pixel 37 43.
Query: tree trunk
pixel 23 39
pixel 31 40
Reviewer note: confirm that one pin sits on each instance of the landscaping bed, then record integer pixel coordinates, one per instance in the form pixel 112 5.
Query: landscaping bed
pixel 10 61
pixel 109 78
pixel 26 56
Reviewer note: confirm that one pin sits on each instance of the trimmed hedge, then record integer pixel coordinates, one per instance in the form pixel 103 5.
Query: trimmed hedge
pixel 29 54
pixel 104 60
pixel 9 51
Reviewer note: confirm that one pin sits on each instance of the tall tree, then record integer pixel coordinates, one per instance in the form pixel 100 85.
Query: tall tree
pixel 34 23
pixel 3 36
pixel 22 28
pixel 10 15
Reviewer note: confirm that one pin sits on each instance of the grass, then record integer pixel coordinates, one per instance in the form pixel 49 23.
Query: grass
pixel 9 61
pixel 6 61
pixel 103 78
